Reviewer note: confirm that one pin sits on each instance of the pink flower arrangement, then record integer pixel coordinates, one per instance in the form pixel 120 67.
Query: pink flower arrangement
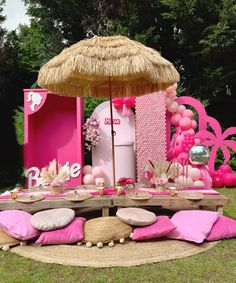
pixel 91 133
pixel 126 182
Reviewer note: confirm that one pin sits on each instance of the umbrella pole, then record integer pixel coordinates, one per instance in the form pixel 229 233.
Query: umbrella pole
pixel 112 137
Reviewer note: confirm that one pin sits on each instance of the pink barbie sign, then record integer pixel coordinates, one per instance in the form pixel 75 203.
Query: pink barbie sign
pixel 53 130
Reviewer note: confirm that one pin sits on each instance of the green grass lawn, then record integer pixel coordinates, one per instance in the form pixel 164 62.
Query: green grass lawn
pixel 216 265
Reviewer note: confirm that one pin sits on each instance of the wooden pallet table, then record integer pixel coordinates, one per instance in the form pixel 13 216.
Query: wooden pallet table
pixel 174 203
pixel 103 202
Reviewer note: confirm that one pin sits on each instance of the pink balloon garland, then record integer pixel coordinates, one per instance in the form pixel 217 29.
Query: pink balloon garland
pixel 185 136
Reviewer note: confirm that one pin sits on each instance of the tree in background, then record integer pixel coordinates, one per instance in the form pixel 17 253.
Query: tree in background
pixel 198 36
pixel 10 85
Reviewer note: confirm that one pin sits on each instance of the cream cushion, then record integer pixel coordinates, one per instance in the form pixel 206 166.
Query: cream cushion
pixel 52 219
pixel 136 216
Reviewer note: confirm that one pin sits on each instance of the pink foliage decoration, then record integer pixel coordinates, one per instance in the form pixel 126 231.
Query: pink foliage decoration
pixel 125 104
pixel 217 141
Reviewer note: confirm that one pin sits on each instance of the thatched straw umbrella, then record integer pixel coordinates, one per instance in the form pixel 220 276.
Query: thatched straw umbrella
pixel 112 66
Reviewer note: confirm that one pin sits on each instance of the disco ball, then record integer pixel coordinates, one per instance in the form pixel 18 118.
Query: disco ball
pixel 198 154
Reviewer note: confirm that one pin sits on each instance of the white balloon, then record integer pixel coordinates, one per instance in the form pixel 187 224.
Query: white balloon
pixel 181 108
pixel 168 101
pixel 194 173
pixel 198 183
pixel 173 107
pixel 188 182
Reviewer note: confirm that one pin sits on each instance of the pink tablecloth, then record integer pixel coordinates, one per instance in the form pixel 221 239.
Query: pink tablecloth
pixel 111 192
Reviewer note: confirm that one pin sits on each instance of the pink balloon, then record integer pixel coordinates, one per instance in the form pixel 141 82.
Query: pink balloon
pixel 194 124
pixel 189 131
pixel 175 119
pixel 218 173
pixel 188 113
pixel 185 123
pixel 197 141
pixel 172 94
pixel 177 151
pixel 194 173
pixel 181 108
pixel 182 157
pixel 225 169
pixel 173 107
pixel 168 101
pixel 87 169
pixel 217 182
pixel 229 179
pixel 97 172
pixel 88 179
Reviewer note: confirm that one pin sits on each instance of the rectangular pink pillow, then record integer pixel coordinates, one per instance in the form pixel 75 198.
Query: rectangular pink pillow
pixel 16 223
pixel 160 228
pixel 223 228
pixel 193 225
pixel 69 234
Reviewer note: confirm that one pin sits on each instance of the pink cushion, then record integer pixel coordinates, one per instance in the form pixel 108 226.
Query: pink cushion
pixel 16 223
pixel 193 225
pixel 160 228
pixel 67 235
pixel 223 228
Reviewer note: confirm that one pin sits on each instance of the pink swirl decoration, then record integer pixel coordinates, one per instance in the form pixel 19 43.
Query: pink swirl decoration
pixel 216 140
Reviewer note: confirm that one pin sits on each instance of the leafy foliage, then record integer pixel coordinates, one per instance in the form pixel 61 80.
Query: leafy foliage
pixel 19 124
pixel 90 104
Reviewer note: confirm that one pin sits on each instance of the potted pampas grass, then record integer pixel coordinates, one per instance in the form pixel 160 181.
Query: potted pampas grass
pixel 54 177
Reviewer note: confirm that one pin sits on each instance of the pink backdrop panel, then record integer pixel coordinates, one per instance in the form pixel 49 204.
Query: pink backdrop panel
pixel 150 131
pixel 53 130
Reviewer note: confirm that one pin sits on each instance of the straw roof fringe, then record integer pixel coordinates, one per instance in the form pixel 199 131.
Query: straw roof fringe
pixel 84 68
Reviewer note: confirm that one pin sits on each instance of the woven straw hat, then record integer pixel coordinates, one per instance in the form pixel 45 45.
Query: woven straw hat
pixel 84 69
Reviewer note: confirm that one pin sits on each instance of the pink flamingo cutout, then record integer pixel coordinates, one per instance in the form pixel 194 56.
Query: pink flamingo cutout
pixel 217 141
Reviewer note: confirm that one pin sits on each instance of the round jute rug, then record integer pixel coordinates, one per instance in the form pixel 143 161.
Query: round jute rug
pixel 128 254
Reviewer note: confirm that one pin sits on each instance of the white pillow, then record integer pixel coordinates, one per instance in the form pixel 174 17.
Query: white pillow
pixel 136 216
pixel 52 219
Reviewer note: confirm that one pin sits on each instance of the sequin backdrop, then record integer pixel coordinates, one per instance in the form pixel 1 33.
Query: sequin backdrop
pixel 150 131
